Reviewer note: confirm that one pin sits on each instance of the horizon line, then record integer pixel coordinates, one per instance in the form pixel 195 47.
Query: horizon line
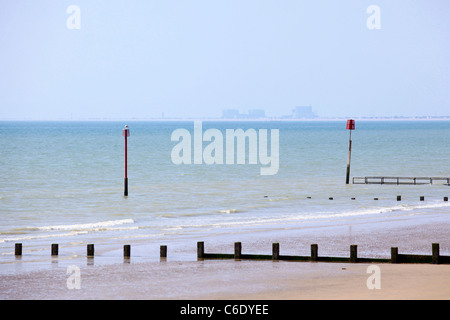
pixel 236 119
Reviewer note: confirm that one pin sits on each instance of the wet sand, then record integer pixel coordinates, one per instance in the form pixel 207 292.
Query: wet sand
pixel 181 276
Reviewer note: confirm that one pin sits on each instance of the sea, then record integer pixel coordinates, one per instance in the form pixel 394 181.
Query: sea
pixel 63 182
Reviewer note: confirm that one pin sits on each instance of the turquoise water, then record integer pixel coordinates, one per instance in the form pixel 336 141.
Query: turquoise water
pixel 62 182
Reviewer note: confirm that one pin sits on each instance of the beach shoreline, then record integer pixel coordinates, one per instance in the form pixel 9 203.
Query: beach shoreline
pixel 180 276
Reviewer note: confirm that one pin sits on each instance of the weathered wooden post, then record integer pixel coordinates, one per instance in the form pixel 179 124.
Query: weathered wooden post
pixel 314 252
pixel 237 250
pixel 200 250
pixel 350 127
pixel 126 134
pixel 163 252
pixel 55 249
pixel 394 255
pixel 90 250
pixel 18 249
pixel 126 251
pixel 353 253
pixel 275 251
pixel 435 254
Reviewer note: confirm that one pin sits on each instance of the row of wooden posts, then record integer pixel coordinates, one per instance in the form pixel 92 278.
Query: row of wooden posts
pixel 399 198
pixel 434 258
pixel 396 257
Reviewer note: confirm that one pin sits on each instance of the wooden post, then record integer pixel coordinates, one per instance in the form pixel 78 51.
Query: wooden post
pixel 237 250
pixel 200 250
pixel 90 250
pixel 18 249
pixel 126 134
pixel 435 254
pixel 126 251
pixel 314 252
pixel 399 198
pixel 353 253
pixel 445 198
pixel 163 251
pixel 347 177
pixel 350 127
pixel 422 198
pixel 275 251
pixel 394 255
pixel 54 249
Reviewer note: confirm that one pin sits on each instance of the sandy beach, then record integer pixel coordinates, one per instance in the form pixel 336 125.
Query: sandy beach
pixel 236 280
pixel 181 276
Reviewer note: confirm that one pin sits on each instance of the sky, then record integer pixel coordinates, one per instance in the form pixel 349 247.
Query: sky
pixel 194 58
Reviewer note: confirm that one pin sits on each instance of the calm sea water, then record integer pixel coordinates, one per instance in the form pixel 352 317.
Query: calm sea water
pixel 62 182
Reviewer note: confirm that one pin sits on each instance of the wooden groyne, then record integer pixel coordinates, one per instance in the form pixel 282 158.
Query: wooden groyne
pixel 434 258
pixel 396 257
pixel 401 180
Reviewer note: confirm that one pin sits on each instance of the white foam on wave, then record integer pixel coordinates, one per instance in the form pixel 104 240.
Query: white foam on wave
pixel 371 211
pixel 41 236
pixel 327 215
pixel 228 211
pixel 94 225
pixel 71 230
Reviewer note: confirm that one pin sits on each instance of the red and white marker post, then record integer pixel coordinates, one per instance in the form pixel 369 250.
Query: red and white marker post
pixel 350 127
pixel 126 134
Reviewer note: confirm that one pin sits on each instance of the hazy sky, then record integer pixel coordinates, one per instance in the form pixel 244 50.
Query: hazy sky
pixel 194 58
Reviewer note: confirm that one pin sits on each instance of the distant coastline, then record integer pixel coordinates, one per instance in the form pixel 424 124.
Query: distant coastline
pixel 220 119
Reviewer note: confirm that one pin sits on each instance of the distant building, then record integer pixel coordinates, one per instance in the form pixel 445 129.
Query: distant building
pixel 230 114
pixel 256 114
pixel 303 112
pixel 235 114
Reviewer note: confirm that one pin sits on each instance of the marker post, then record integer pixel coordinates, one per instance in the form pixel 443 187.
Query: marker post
pixel 126 134
pixel 350 127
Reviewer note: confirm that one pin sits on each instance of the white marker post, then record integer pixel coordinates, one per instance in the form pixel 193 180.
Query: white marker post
pixel 125 133
pixel 350 127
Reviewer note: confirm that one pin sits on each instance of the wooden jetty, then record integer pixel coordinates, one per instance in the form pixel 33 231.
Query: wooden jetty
pixel 401 180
